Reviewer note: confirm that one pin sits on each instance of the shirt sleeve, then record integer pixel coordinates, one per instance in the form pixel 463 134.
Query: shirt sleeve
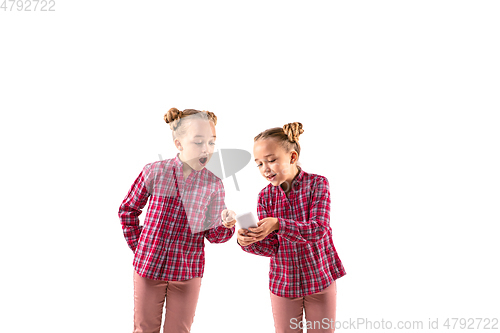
pixel 268 247
pixel 218 233
pixel 319 218
pixel 131 208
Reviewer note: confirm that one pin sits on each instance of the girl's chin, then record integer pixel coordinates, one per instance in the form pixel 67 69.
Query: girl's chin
pixel 198 167
pixel 274 182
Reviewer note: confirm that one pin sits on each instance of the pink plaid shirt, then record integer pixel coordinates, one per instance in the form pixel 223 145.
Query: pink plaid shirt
pixel 303 258
pixel 181 214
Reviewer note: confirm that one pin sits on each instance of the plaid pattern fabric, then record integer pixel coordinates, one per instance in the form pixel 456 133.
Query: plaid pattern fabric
pixel 303 258
pixel 181 214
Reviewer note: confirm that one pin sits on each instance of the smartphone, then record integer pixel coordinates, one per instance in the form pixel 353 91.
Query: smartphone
pixel 246 220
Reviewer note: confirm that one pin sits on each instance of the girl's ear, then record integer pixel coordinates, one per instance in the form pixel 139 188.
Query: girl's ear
pixel 178 144
pixel 293 157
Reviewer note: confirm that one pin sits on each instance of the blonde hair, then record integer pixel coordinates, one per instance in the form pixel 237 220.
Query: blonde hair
pixel 287 136
pixel 178 120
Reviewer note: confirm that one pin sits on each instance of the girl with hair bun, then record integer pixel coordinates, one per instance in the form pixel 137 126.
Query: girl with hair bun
pixel 186 205
pixel 294 231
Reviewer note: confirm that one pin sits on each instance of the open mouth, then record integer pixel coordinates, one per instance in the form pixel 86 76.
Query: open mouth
pixel 203 160
pixel 271 177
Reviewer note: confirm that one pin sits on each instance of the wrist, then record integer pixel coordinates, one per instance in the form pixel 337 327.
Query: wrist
pixel 277 225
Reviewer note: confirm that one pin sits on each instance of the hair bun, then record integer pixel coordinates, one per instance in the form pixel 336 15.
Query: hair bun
pixel 172 118
pixel 293 131
pixel 212 116
pixel 172 114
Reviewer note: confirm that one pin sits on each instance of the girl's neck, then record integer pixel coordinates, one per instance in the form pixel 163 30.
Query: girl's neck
pixel 287 184
pixel 186 169
pixel 186 172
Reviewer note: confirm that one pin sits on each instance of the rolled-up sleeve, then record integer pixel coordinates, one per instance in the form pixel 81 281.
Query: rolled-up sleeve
pixel 131 208
pixel 218 233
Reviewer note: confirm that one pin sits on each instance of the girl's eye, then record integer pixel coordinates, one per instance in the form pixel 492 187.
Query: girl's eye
pixel 258 165
pixel 272 161
pixel 200 143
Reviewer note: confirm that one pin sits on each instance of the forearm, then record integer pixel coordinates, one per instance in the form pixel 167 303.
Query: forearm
pixel 132 235
pixel 130 209
pixel 301 232
pixel 268 247
pixel 129 219
pixel 219 234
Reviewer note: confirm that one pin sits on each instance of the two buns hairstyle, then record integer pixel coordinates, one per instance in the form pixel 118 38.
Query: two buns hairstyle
pixel 293 131
pixel 178 119
pixel 287 136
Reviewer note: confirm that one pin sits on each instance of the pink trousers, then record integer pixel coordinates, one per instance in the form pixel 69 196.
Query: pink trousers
pixel 181 300
pixel 319 310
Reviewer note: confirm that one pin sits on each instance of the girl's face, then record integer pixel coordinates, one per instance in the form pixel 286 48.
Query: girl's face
pixel 197 145
pixel 274 163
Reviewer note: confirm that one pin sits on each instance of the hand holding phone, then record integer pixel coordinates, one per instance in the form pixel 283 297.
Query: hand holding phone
pixel 246 220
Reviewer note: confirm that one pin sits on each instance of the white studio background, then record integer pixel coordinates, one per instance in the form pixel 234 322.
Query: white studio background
pixel 399 102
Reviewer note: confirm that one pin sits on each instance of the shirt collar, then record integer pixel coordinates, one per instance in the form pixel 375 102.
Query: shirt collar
pixel 177 160
pixel 179 164
pixel 296 182
pixel 299 176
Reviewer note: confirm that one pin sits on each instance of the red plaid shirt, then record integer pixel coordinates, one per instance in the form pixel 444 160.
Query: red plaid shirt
pixel 169 245
pixel 303 258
